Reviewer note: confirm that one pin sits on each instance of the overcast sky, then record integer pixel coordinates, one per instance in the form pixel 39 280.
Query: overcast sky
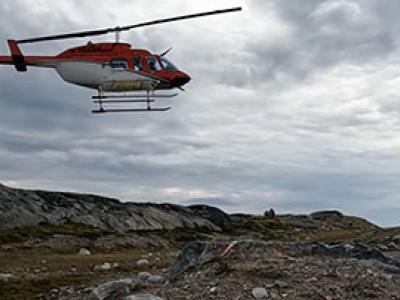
pixel 292 105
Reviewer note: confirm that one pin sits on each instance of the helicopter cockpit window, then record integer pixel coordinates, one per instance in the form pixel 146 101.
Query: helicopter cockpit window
pixel 137 64
pixel 119 63
pixel 154 65
pixel 167 65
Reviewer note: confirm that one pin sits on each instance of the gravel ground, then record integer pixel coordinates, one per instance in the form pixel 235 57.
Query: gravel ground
pixel 264 270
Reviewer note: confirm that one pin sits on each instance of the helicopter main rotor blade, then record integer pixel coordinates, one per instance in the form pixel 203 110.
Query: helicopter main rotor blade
pixel 67 36
pixel 125 28
pixel 185 17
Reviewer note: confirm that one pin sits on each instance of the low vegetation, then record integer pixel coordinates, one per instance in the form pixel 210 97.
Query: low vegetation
pixel 45 230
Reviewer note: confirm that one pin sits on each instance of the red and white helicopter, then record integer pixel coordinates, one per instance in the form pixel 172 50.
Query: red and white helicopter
pixel 111 68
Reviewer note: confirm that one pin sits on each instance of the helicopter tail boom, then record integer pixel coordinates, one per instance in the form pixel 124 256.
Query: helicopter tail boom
pixel 6 60
pixel 20 62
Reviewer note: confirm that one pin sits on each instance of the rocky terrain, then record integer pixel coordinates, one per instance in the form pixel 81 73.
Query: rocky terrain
pixel 73 246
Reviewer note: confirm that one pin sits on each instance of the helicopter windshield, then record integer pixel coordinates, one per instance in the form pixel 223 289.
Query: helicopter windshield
pixel 153 63
pixel 167 65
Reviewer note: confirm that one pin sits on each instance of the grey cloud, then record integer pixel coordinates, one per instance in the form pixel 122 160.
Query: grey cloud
pixel 324 33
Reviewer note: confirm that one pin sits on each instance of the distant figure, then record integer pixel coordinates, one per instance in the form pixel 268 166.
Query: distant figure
pixel 270 213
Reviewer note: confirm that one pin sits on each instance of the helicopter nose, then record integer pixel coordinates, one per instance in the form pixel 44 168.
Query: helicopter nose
pixel 180 80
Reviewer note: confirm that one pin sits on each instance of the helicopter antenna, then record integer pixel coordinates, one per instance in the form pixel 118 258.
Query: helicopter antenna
pixel 118 29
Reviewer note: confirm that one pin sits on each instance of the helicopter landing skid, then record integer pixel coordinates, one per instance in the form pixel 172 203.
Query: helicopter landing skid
pixel 101 100
pixel 116 110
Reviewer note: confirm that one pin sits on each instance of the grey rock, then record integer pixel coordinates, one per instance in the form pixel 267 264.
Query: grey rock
pixel 213 214
pixel 6 276
pixel 269 285
pixel 155 279
pixel 142 262
pixel 259 293
pixel 326 214
pixel 391 269
pixel 104 267
pixel 114 290
pixel 131 240
pixel 27 207
pixel 355 251
pixel 143 297
pixel 198 253
pixel 144 276
pixel 84 251
pixel 393 246
pixel 383 247
pixel 300 222
pixel 188 256
pixel 396 239
pixel 58 242
pixel 280 284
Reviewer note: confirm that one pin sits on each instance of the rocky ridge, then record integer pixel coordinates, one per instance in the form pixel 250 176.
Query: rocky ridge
pixel 28 207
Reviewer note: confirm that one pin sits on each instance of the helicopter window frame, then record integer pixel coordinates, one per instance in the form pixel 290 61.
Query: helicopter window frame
pixel 153 64
pixel 167 64
pixel 137 63
pixel 119 64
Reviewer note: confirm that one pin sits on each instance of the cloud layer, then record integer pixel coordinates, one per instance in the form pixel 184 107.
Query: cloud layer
pixel 292 105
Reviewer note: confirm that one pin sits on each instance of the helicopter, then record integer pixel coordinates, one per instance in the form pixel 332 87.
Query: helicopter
pixel 116 70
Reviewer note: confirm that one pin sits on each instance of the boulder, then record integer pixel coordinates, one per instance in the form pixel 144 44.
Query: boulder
pixel 143 297
pixel 259 293
pixel 187 257
pixel 280 284
pixel 396 239
pixel 104 267
pixel 155 279
pixel 142 262
pixel 144 276
pixel 118 289
pixel 84 251
pixel 326 214
pixel 353 251
pixel 6 276
pixel 212 214
pixel 394 246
